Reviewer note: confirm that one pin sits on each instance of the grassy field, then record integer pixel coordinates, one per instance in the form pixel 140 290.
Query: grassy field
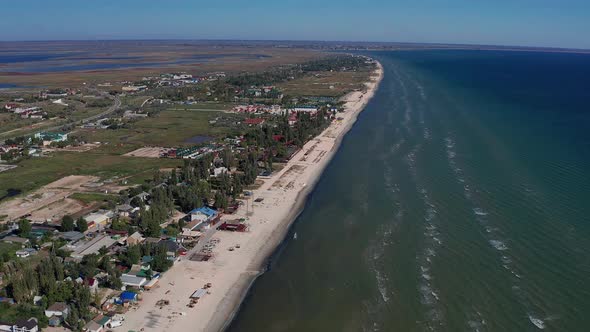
pixel 168 128
pixel 105 162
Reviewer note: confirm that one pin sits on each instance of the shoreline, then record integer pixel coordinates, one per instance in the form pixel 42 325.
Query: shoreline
pixel 233 273
pixel 269 249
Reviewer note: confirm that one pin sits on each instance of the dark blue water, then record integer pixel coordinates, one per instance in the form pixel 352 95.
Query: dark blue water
pixel 458 202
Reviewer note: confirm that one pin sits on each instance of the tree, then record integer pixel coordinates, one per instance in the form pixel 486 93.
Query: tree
pixel 160 261
pixel 24 228
pixel 172 231
pixel 82 225
pixel 132 256
pixel 67 224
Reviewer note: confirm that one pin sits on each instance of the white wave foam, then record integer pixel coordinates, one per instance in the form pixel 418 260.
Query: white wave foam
pixel 499 245
pixel 480 212
pixel 381 282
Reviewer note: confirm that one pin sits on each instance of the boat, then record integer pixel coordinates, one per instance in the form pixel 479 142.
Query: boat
pixel 295 236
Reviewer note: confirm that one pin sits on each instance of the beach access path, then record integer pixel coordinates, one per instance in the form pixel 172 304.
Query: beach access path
pixel 232 272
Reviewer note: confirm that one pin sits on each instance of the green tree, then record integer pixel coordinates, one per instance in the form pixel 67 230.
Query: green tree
pixel 82 225
pixel 67 223
pixel 160 261
pixel 132 255
pixel 172 231
pixel 24 228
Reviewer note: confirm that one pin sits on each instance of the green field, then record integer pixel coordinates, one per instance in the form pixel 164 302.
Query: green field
pixel 105 162
pixel 168 128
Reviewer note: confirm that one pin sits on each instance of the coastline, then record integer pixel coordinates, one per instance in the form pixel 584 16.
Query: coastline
pixel 233 273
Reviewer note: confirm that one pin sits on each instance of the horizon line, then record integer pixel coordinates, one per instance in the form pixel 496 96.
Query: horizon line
pixel 298 41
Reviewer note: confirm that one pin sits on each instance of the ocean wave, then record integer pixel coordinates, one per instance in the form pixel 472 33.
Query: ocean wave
pixel 480 212
pixel 381 285
pixel 498 245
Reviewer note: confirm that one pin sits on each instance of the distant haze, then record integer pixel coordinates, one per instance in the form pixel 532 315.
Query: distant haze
pixel 544 23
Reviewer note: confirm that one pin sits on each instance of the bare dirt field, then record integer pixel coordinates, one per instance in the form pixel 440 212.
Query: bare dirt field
pixel 147 152
pixel 57 210
pixel 80 148
pixel 49 200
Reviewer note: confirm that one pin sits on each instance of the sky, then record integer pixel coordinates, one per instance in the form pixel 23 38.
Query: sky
pixel 549 23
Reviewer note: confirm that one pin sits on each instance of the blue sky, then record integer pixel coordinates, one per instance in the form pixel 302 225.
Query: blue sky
pixel 558 23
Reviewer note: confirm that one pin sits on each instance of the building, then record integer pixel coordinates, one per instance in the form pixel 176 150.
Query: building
pixel 133 281
pixel 26 252
pixel 93 326
pixel 203 214
pixel 125 210
pixel 98 220
pixel 98 324
pixel 134 88
pixel 254 121
pixel 134 239
pixel 128 296
pixel 57 310
pixel 48 137
pixel 29 325
pixel 171 248
pixel 72 236
pixel 17 240
pixel 6 327
pixel 219 170
pixel 84 248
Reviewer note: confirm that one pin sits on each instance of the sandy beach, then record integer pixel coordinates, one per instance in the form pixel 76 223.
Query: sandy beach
pixel 232 272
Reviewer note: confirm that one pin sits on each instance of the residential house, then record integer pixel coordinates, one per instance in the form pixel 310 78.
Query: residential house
pixel 98 324
pixel 125 210
pixel 134 239
pixel 171 248
pixel 58 310
pixel 26 252
pixel 92 326
pixel 28 325
pixel 16 240
pixel 6 327
pixel 92 284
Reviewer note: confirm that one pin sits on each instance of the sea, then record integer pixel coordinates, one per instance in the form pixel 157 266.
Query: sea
pixel 459 201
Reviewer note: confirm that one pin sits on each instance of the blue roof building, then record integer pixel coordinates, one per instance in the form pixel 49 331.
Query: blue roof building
pixel 128 296
pixel 209 212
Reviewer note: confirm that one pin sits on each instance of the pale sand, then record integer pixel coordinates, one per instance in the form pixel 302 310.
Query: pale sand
pixel 232 272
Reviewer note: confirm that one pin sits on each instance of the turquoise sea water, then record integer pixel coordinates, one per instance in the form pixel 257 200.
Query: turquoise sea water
pixel 459 201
